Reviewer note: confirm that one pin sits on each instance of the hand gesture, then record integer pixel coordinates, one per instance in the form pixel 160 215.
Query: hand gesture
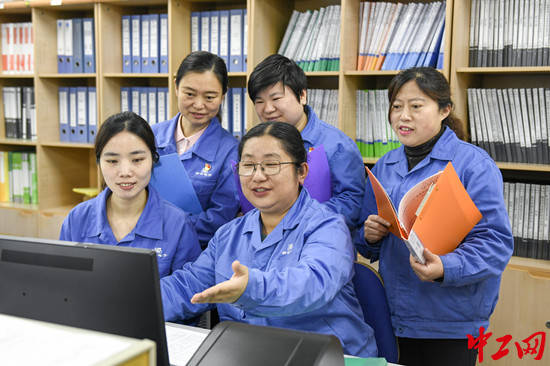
pixel 228 291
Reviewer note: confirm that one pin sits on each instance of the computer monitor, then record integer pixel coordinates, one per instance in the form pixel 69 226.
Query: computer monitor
pixel 100 287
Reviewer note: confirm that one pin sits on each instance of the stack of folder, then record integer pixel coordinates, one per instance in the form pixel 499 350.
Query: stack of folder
pixel 233 112
pixel 75 45
pixel 18 177
pixel 17 48
pixel 77 114
pixel 149 102
pixel 19 112
pixel 145 43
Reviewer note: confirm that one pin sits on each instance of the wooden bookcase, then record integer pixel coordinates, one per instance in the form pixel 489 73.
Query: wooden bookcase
pixel 62 166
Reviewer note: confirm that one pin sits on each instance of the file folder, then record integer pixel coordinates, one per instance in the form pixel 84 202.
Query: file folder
pixel 72 115
pixel 153 66
pixel 171 180
pixel 135 100
pixel 205 31
pixel 152 106
pixel 68 46
pixel 195 31
pixel 126 44
pixel 77 46
pixel 236 40
pixel 125 102
pixel 63 94
pixel 143 103
pixel 162 112
pixel 92 114
pixel 60 47
pixel 237 112
pixel 89 45
pixel 224 36
pixel 215 32
pixel 245 40
pixel 163 48
pixel 145 39
pixel 136 43
pixel 81 114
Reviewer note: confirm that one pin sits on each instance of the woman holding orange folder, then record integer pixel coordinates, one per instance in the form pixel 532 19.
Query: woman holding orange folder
pixel 436 305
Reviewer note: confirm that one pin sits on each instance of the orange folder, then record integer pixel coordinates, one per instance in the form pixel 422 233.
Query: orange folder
pixel 437 213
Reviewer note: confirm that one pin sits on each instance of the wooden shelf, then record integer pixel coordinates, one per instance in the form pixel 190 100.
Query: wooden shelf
pixel 71 145
pixel 66 76
pixel 531 265
pixel 524 167
pixel 371 73
pixel 135 75
pixel 504 70
pixel 19 206
pixel 16 76
pixel 17 142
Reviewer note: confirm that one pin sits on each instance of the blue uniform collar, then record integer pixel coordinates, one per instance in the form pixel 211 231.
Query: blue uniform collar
pixel 204 148
pixel 444 149
pixel 311 132
pixel 148 225
pixel 289 222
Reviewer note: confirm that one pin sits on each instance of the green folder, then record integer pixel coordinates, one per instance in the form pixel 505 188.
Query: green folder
pixel 371 361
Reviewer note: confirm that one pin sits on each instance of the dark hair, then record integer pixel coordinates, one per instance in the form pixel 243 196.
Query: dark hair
pixel 273 69
pixel 125 121
pixel 203 61
pixel 434 85
pixel 288 135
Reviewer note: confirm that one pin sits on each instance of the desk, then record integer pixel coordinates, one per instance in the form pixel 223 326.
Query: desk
pixel 32 342
pixel 184 340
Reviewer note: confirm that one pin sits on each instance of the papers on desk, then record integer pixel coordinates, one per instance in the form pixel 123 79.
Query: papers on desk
pixel 31 342
pixel 182 342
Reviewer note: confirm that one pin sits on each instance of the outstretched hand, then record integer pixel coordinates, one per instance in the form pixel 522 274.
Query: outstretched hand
pixel 431 270
pixel 225 292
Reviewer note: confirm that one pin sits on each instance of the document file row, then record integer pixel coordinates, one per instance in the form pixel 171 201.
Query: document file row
pixel 75 45
pixel 325 104
pixel 511 124
pixel 145 43
pixel 375 136
pixel 17 48
pixel 149 102
pixel 18 178
pixel 312 39
pixel 77 114
pixel 397 36
pixel 233 112
pixel 223 33
pixel 528 208
pixel 509 33
pixel 19 112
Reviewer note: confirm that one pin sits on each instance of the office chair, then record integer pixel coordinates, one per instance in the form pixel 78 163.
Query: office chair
pixel 372 297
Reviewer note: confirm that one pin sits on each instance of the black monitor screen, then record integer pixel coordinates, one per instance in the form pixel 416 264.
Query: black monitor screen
pixel 99 287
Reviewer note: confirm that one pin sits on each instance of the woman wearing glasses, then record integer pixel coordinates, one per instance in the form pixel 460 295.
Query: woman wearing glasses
pixel 288 263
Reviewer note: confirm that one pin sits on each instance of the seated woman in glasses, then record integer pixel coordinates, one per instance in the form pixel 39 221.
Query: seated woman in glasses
pixel 288 263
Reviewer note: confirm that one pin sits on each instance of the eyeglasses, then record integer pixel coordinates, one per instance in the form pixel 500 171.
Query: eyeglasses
pixel 269 167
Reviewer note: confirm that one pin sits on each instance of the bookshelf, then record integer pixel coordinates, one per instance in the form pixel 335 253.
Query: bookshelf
pixel 62 166
pixel 521 309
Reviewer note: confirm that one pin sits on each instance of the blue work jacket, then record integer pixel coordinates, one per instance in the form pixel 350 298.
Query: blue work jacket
pixel 299 276
pixel 208 164
pixel 161 227
pixel 347 172
pixel 467 296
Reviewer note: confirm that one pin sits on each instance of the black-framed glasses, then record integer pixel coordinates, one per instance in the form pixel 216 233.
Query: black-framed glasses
pixel 269 167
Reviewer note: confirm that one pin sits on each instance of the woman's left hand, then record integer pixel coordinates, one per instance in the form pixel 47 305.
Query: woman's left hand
pixel 228 291
pixel 431 270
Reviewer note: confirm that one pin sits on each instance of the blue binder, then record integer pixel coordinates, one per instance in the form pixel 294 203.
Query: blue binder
pixel 195 31
pixel 77 46
pixel 136 43
pixel 163 47
pixel 144 102
pixel 171 180
pixel 145 39
pixel 154 42
pixel 61 46
pixel 236 40
pixel 69 47
pixel 245 41
pixel 205 31
pixel 92 114
pixel 125 100
pixel 126 44
pixel 73 115
pixel 88 45
pixel 135 101
pixel 225 32
pixel 63 93
pixel 81 114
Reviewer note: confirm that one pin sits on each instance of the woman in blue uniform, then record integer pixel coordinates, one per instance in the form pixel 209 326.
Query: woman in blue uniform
pixel 129 212
pixel 204 147
pixel 436 305
pixel 288 263
pixel 278 89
